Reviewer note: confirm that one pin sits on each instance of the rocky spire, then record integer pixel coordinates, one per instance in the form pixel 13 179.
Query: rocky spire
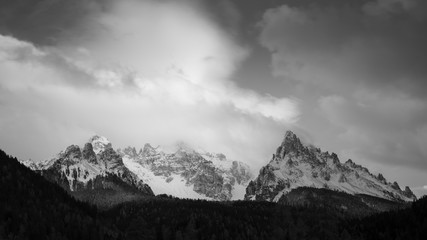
pixel 89 154
pixel 72 154
pixel 148 150
pixel 130 151
pixel 291 143
pixel 395 185
pixel 408 193
pixel 73 151
pixel 381 178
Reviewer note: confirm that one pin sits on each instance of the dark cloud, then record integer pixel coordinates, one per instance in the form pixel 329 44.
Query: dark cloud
pixel 377 43
pixel 357 68
pixel 46 22
pixel 361 69
pixel 388 129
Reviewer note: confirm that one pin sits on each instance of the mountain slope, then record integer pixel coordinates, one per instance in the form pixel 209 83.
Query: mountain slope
pixel 297 165
pixel 95 173
pixel 33 208
pixel 179 171
pixel 186 173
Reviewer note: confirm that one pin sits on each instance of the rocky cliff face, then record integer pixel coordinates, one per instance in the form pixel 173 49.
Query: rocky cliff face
pixel 297 165
pixel 95 167
pixel 181 171
pixel 187 173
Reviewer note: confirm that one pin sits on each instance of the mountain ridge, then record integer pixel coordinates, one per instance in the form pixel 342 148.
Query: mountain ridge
pixel 182 172
pixel 188 173
pixel 301 165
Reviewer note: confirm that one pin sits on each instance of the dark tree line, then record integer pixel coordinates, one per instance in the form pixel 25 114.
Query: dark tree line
pixel 409 223
pixel 33 208
pixel 175 219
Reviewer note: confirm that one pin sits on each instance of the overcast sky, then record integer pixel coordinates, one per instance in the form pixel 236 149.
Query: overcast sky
pixel 228 76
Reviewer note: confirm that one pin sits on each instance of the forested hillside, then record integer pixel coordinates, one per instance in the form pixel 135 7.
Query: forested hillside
pixel 33 208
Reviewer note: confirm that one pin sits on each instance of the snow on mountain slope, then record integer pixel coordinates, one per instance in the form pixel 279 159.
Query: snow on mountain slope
pixel 184 172
pixel 99 143
pixel 176 170
pixel 296 165
pixel 173 185
pixel 77 168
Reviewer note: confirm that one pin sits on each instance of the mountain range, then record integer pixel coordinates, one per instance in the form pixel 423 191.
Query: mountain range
pixel 128 174
pixel 98 173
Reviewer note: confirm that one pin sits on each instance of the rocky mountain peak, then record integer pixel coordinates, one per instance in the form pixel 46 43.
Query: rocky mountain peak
pixel 290 137
pixel 395 185
pixel 88 153
pixel 131 151
pixel 350 163
pixel 335 158
pixel 99 143
pixel 381 178
pixel 71 154
pixel 297 165
pixel 148 150
pixel 290 144
pixel 292 141
pixel 408 193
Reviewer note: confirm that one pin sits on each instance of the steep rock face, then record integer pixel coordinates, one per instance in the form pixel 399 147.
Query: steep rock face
pixel 187 173
pixel 178 170
pixel 297 165
pixel 89 154
pixel 97 167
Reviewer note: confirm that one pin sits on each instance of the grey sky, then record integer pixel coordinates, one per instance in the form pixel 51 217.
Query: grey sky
pixel 229 75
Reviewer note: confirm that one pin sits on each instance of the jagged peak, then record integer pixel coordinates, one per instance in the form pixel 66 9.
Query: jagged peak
pixel 304 164
pixel 72 153
pixel 395 185
pixel 147 146
pixel 131 151
pixel 381 177
pixel 99 143
pixel 350 162
pixel 72 148
pixel 98 138
pixel 291 143
pixel 88 153
pixel 408 193
pixel 290 136
pixel 147 150
pixel 335 159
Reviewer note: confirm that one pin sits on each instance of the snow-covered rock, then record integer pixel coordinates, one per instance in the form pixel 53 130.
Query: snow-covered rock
pixel 177 170
pixel 76 169
pixel 184 172
pixel 298 165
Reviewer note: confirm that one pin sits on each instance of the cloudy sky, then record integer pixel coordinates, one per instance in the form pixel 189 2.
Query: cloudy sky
pixel 228 76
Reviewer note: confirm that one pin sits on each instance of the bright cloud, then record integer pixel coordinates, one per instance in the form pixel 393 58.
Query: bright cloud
pixel 152 72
